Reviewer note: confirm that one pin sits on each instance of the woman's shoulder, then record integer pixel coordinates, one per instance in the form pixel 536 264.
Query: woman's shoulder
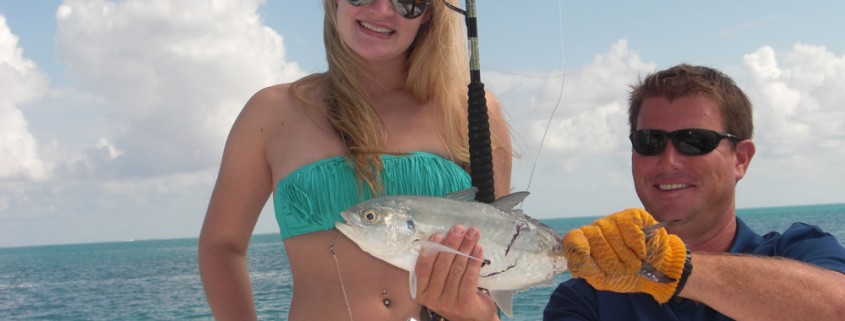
pixel 272 97
pixel 285 100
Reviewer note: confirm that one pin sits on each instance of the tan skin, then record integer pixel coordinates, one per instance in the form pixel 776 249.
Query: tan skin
pixel 276 134
pixel 703 215
pixel 695 193
pixel 236 203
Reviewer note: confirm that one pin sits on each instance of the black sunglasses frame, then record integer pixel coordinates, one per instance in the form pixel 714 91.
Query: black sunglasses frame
pixel 689 141
pixel 409 9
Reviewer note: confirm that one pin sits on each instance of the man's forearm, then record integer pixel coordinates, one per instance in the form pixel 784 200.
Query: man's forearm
pixel 747 287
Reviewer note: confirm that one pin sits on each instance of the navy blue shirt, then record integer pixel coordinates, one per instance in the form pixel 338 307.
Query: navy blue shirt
pixel 575 299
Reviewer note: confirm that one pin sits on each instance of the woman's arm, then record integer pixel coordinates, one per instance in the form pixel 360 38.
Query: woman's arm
pixel 243 186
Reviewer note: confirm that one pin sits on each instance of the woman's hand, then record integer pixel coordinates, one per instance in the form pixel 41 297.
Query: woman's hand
pixel 448 283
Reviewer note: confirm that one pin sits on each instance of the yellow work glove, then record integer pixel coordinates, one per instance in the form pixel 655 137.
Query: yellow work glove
pixel 609 255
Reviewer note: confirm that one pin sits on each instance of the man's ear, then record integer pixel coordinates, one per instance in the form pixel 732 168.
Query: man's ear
pixel 745 150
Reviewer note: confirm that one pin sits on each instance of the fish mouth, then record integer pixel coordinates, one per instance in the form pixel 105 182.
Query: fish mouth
pixel 347 229
pixel 344 227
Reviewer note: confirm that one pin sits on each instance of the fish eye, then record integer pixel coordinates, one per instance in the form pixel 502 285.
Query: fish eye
pixel 369 216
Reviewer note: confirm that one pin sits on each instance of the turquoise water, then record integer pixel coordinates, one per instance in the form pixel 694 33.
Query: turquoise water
pixel 158 280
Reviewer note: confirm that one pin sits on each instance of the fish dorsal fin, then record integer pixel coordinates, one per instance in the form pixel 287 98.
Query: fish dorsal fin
pixel 508 202
pixel 467 195
pixel 504 299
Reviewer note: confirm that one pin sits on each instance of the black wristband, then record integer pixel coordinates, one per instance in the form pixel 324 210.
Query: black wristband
pixel 685 274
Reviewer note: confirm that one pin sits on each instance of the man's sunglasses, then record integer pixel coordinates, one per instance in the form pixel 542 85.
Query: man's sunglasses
pixel 409 9
pixel 690 141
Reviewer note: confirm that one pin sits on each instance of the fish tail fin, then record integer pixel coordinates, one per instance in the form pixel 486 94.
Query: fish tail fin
pixel 504 300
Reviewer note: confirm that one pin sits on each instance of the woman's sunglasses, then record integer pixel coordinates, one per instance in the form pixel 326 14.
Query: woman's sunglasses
pixel 409 9
pixel 691 141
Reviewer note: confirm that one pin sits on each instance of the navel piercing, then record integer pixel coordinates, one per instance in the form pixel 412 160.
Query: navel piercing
pixel 385 299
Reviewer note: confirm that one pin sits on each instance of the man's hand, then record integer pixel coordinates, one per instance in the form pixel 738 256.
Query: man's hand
pixel 614 253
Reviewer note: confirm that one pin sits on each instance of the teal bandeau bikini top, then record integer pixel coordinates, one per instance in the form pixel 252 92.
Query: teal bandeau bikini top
pixel 311 198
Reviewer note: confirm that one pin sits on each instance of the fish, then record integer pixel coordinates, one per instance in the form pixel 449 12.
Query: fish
pixel 648 271
pixel 519 252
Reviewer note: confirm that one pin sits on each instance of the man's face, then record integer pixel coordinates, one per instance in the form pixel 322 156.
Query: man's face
pixel 695 191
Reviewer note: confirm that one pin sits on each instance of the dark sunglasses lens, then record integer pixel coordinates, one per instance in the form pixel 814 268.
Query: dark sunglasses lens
pixel 410 8
pixel 407 8
pixel 696 141
pixel 359 3
pixel 649 142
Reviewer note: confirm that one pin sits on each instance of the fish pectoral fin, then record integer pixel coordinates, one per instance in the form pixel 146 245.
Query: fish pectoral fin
pixel 434 246
pixel 504 300
pixel 412 283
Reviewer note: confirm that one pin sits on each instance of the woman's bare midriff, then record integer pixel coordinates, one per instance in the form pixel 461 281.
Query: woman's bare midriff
pixel 375 289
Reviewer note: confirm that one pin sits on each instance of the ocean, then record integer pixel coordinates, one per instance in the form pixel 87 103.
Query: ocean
pixel 159 280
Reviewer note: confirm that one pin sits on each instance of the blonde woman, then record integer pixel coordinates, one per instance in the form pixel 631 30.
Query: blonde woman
pixel 388 117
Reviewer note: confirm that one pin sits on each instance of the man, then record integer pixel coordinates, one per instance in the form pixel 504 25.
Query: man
pixel 691 130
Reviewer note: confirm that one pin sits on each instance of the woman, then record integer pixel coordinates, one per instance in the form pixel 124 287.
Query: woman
pixel 388 117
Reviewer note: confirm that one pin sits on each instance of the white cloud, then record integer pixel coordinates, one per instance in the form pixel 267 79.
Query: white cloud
pixel 800 126
pixel 172 74
pixel 798 99
pixel 153 89
pixel 21 82
pixel 591 118
pixel 113 152
pixel 585 154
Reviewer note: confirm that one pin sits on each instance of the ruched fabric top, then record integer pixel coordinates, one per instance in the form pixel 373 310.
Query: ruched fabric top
pixel 311 198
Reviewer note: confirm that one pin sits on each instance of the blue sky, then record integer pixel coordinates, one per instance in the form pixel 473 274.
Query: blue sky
pixel 113 114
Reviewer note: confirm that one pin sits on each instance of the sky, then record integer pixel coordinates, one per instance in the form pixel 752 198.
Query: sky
pixel 113 114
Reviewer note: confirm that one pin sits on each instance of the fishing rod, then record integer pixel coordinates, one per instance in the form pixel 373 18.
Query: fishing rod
pixel 480 144
pixel 480 147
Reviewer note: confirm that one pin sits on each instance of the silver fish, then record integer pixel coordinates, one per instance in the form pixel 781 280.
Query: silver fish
pixel 519 252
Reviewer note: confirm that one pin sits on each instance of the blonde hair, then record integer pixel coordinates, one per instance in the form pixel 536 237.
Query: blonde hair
pixel 437 69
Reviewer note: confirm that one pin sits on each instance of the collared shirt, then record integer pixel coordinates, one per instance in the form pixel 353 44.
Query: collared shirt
pixel 575 299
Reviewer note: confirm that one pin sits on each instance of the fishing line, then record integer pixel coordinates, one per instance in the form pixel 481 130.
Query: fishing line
pixel 340 275
pixel 559 97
